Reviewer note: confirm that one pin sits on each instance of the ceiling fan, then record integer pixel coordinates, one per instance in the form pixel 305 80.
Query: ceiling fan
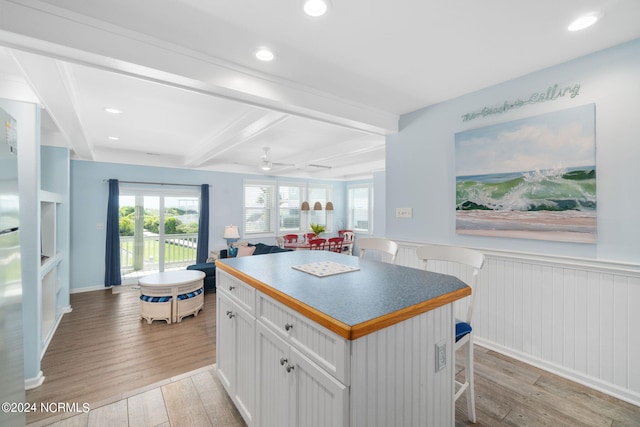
pixel 266 164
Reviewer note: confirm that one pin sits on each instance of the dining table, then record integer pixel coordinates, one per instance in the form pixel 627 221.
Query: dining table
pixel 297 246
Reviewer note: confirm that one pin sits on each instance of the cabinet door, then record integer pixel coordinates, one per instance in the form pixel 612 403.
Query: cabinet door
pixel 244 349
pixel 274 381
pixel 225 333
pixel 319 400
pixel 293 390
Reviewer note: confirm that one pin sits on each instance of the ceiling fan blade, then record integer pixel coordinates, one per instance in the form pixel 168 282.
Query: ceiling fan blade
pixel 320 166
pixel 282 164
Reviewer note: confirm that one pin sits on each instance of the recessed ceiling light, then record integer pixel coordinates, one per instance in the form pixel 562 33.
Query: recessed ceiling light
pixel 264 54
pixel 113 138
pixel 315 8
pixel 112 110
pixel 584 21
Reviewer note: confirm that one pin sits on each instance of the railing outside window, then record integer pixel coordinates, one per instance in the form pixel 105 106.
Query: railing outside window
pixel 180 251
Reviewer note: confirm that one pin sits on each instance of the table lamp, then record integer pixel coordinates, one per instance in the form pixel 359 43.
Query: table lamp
pixel 231 235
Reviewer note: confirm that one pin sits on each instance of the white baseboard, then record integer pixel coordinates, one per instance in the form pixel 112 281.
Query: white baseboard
pixel 92 288
pixel 31 383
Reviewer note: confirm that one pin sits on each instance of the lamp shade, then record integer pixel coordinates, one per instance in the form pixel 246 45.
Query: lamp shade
pixel 317 206
pixel 329 206
pixel 305 206
pixel 231 232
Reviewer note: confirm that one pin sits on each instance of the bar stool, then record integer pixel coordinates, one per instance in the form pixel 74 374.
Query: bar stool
pixel 467 259
pixel 378 244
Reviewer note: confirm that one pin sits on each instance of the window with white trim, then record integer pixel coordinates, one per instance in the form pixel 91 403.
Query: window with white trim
pixel 290 197
pixel 259 208
pixel 359 208
pixel 321 194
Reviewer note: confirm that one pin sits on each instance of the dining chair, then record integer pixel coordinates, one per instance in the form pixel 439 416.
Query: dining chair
pixel 348 236
pixel 317 244
pixel 335 244
pixel 469 263
pixel 310 236
pixel 378 244
pixel 290 238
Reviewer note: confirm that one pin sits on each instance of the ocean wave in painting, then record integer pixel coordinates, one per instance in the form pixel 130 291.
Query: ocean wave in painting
pixel 541 190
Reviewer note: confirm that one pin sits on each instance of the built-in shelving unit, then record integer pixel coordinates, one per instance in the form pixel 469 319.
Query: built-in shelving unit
pixel 50 259
pixel 54 241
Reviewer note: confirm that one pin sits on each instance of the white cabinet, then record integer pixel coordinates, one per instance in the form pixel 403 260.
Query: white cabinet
pixel 292 390
pixel 235 347
pixel 283 369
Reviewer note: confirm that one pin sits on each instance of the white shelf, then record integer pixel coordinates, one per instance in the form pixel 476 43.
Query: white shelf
pixel 48 196
pixel 50 263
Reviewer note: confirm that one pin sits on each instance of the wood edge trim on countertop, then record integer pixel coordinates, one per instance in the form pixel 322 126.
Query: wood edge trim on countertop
pixel 373 325
pixel 340 328
pixel 319 317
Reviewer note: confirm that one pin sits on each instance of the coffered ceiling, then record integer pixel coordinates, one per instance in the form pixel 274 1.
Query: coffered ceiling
pixel 192 95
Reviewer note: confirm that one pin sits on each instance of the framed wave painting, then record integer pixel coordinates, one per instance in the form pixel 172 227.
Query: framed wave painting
pixel 533 178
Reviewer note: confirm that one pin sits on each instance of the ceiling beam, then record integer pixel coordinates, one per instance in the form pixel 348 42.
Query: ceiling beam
pixel 53 84
pixel 80 39
pixel 249 125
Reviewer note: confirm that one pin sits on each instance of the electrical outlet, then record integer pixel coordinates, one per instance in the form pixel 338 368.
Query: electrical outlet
pixel 441 356
pixel 99 226
pixel 404 212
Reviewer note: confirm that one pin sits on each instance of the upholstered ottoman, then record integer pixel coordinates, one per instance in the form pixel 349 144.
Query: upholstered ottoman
pixel 190 303
pixel 209 269
pixel 155 308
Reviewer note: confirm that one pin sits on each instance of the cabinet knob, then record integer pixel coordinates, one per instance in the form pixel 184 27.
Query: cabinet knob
pixel 289 368
pixel 231 287
pixel 287 326
pixel 230 314
pixel 283 360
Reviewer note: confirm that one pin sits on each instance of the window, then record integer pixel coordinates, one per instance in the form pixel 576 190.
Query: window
pixel 259 212
pixel 158 229
pixel 290 198
pixel 359 208
pixel 322 194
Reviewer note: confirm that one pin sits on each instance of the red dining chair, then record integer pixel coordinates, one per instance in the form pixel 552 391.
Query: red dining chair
pixel 310 236
pixel 334 244
pixel 290 238
pixel 317 244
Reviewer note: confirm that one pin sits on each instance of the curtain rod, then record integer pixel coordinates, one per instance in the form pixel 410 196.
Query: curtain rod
pixel 154 183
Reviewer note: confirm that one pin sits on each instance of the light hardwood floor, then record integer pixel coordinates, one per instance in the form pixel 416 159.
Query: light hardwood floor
pixel 134 374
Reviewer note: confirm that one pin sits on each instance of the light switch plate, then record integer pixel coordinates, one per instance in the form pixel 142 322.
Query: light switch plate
pixel 404 212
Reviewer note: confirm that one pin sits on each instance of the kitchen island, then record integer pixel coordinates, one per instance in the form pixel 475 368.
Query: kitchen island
pixel 358 348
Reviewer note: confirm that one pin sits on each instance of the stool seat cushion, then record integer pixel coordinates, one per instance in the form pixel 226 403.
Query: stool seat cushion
pixel 190 294
pixel 462 329
pixel 147 298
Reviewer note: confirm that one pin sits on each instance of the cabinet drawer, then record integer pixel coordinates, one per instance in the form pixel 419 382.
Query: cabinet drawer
pixel 324 347
pixel 241 293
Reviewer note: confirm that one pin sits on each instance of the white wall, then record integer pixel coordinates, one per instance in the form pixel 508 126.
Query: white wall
pixel 566 307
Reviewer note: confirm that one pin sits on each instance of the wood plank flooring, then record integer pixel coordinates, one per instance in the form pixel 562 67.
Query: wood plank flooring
pixel 135 374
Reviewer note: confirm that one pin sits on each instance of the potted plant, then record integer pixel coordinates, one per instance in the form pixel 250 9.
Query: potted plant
pixel 317 229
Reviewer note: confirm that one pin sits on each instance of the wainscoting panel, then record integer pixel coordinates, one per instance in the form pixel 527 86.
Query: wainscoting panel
pixel 577 318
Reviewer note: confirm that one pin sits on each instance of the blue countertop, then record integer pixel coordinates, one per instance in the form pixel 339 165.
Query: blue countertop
pixel 377 290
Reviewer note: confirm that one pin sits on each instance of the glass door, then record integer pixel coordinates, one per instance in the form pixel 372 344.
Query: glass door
pixel 158 232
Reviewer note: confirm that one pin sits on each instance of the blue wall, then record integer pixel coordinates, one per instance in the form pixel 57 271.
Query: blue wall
pixel 420 168
pixel 89 193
